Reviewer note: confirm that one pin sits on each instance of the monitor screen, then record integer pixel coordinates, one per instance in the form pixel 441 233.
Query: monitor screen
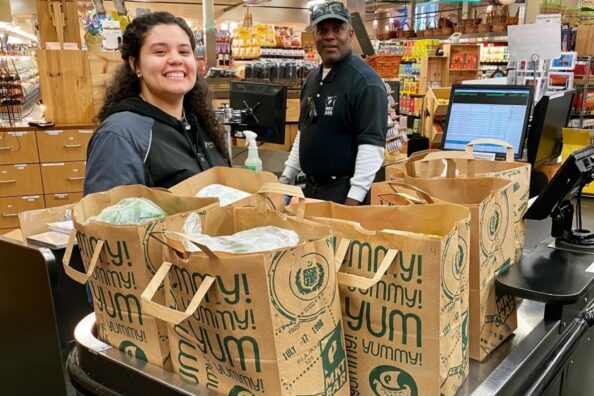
pixel 487 112
pixel 267 108
pixel 550 116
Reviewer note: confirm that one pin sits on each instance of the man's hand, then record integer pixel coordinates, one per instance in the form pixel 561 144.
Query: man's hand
pixel 351 202
pixel 284 180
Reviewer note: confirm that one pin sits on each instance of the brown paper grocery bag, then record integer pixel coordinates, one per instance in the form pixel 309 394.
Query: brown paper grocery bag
pixel 493 317
pixel 255 323
pixel 404 290
pixel 239 178
pixel 35 221
pixel 517 172
pixel 120 260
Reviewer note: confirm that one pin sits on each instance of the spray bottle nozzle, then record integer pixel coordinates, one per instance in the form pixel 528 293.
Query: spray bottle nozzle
pixel 250 139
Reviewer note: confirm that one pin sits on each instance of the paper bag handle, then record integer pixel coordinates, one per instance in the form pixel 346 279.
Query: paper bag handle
pixel 450 157
pixel 410 163
pixel 168 314
pixel 410 200
pixel 78 276
pixel 358 281
pixel 509 149
pixel 284 189
pixel 190 239
pixel 422 194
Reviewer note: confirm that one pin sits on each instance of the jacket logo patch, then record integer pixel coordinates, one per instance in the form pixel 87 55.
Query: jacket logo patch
pixel 209 145
pixel 330 101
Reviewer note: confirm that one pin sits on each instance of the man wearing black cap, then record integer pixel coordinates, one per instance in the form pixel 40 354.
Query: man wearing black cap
pixel 343 119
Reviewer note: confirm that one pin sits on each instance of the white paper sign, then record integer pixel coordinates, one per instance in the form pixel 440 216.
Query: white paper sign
pixel 543 39
pixel 547 18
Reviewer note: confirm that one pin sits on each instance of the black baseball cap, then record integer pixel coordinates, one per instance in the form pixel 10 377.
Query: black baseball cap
pixel 330 10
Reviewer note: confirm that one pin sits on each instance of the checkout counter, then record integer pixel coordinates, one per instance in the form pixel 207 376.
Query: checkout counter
pixel 550 353
pixel 48 344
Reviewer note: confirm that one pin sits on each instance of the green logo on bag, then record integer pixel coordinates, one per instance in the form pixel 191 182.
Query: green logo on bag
pixel 465 333
pixel 392 381
pixel 333 361
pixel 494 224
pixel 132 350
pixel 459 259
pixel 310 279
pixel 240 391
pixel 307 278
pixel 451 274
pixel 146 243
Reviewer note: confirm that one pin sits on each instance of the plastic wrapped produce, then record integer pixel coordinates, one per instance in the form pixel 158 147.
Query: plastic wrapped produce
pixel 227 195
pixel 130 211
pixel 258 239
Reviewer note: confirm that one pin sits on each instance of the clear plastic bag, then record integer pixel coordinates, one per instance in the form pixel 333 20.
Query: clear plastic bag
pixel 259 239
pixel 226 195
pixel 131 211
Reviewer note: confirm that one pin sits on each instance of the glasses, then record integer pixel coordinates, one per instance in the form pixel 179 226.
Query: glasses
pixel 312 113
pixel 329 8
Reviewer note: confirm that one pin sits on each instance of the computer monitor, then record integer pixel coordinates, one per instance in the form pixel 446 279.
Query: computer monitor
pixel 487 111
pixel 264 107
pixel 575 173
pixel 545 137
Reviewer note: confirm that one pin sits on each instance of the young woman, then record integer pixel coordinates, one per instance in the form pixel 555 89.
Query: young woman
pixel 157 124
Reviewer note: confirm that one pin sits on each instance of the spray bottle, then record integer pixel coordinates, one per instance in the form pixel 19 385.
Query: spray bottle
pixel 253 162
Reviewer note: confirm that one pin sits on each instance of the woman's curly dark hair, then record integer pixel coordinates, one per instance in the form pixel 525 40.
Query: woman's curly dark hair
pixel 125 83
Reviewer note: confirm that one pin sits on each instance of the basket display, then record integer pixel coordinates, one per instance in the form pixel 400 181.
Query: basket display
pixel 446 26
pixel 432 28
pixel 483 24
pixel 471 24
pixel 499 21
pixel 513 20
pixel 386 65
pixel 406 33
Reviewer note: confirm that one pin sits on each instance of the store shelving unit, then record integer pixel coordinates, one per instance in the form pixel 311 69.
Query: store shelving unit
pixel 19 88
pixel 494 58
pixel 434 73
pixel 463 61
pixel 579 118
pixel 434 113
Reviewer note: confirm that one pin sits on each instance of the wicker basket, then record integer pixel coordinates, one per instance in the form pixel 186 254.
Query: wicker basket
pixel 432 31
pixel 513 20
pixel 471 24
pixel 420 32
pixel 484 23
pixel 459 27
pixel 499 21
pixel 386 65
pixel 446 26
pixel 406 33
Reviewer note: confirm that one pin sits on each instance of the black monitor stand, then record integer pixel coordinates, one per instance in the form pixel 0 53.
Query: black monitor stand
pixel 238 117
pixel 561 272
pixel 566 237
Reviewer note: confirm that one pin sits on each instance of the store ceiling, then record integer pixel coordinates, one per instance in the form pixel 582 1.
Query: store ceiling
pixel 291 12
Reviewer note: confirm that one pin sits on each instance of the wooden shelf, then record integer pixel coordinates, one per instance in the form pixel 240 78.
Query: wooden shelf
pixel 464 70
pixel 467 38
